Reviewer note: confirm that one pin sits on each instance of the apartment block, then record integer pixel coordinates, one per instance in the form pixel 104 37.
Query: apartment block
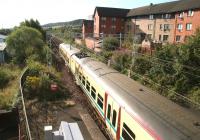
pixel 109 20
pixel 170 22
pixel 187 22
pixel 87 28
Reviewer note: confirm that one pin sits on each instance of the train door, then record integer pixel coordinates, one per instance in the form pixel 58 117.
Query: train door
pixel 112 116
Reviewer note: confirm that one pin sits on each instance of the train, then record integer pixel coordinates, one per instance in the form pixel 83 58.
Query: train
pixel 129 110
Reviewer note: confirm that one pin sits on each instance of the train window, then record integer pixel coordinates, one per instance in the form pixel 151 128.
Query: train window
pixel 83 80
pixel 109 110
pixel 88 86
pixel 93 93
pixel 127 133
pixel 100 101
pixel 114 118
pixel 79 76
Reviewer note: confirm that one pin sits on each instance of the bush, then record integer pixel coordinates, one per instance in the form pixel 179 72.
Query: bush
pixel 4 78
pixel 110 43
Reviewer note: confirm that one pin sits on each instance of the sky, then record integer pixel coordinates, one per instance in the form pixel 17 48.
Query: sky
pixel 49 11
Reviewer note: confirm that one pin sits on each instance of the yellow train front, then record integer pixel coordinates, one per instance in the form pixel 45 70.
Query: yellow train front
pixel 129 110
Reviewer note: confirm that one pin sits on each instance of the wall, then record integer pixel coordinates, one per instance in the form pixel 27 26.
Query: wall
pixel 96 24
pixel 155 31
pixel 163 32
pixel 195 20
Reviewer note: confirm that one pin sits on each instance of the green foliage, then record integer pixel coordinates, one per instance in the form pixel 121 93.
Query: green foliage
pixel 121 61
pixel 142 65
pixel 128 41
pixel 4 78
pixel 38 82
pixel 10 86
pixel 110 43
pixel 34 24
pixel 174 68
pixel 25 42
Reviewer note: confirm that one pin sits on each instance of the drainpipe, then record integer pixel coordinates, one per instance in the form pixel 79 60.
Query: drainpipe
pixel 154 29
pixel 175 29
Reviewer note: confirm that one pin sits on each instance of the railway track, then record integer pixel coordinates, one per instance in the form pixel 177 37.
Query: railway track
pixel 78 96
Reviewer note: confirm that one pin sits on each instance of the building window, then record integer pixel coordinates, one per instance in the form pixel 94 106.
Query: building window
pixel 113 20
pixel 180 27
pixel 88 86
pixel 113 28
pixel 127 133
pixel 100 101
pixel 167 16
pixel 149 36
pixel 161 27
pixel 178 38
pixel 93 93
pixel 160 37
pixel 165 37
pixel 103 26
pixel 190 13
pixel 137 27
pixel 151 17
pixel 109 111
pixel 103 18
pixel 166 27
pixel 189 26
pixel 181 15
pixel 114 118
pixel 150 27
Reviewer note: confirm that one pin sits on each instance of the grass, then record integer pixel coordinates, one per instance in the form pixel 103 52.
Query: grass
pixel 9 94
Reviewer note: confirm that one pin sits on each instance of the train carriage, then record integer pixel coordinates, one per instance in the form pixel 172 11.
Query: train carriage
pixel 130 110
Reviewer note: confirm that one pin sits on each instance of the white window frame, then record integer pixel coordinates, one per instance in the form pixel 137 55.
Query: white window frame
pixel 190 13
pixel 181 15
pixel 150 27
pixel 190 26
pixel 180 27
pixel 151 17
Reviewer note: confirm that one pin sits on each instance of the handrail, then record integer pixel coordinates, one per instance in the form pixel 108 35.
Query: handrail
pixel 24 108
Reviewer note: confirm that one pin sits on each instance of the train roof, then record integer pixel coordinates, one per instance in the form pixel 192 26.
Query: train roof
pixel 69 49
pixel 166 118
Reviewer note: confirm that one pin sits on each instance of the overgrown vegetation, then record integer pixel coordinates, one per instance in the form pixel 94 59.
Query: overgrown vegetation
pixel 38 82
pixel 9 86
pixel 26 47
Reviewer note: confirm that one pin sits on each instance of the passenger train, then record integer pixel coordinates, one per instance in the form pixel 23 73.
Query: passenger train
pixel 130 110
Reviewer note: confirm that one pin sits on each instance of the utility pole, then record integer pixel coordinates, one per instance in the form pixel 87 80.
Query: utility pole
pixel 133 55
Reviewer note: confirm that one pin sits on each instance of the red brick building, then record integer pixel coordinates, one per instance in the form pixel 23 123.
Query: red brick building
pixel 187 21
pixel 87 28
pixel 109 20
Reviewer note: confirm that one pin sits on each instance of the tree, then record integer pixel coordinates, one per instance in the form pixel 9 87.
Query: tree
pixel 34 24
pixel 110 43
pixel 25 42
pixel 121 61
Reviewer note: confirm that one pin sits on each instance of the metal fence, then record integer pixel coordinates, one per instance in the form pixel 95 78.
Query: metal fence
pixel 23 104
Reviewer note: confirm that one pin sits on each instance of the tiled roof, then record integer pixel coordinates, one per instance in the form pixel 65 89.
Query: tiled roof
pixel 169 7
pixel 111 12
